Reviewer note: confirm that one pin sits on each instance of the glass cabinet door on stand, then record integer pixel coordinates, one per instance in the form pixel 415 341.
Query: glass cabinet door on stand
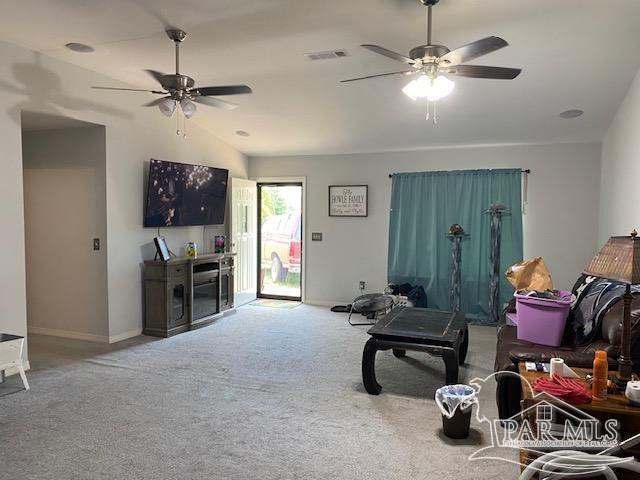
pixel 226 284
pixel 177 304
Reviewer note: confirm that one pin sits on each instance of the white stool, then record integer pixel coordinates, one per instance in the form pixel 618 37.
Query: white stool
pixel 11 347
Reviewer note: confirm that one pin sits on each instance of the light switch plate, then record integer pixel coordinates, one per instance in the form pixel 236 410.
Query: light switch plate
pixel 96 244
pixel 316 237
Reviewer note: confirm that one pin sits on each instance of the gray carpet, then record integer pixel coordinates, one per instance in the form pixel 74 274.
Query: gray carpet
pixel 262 394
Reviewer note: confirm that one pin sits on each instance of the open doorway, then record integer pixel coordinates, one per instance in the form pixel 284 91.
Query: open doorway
pixel 280 237
pixel 65 219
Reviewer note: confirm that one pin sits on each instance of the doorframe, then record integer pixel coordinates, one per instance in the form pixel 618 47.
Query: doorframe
pixel 230 232
pixel 303 181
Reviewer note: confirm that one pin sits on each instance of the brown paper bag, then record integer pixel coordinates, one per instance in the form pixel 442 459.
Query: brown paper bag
pixel 530 275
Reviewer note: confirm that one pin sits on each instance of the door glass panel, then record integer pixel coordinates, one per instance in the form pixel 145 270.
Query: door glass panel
pixel 280 240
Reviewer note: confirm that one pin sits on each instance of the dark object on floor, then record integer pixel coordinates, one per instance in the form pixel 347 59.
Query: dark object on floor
pixel 341 308
pixel 371 305
pixel 415 293
pixel 418 296
pixel 402 289
pixel 439 333
pixel 510 351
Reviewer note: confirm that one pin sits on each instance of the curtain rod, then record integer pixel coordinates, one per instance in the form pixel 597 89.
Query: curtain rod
pixel 523 171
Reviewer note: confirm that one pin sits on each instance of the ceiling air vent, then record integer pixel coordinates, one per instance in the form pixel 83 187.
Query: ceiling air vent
pixel 328 55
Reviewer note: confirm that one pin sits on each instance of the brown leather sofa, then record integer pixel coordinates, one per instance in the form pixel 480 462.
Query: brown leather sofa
pixel 511 351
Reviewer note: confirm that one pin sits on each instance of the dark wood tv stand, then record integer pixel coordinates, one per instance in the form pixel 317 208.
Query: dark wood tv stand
pixel 184 293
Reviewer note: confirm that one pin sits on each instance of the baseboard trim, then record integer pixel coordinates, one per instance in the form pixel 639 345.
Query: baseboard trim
pixel 14 370
pixel 124 336
pixel 52 332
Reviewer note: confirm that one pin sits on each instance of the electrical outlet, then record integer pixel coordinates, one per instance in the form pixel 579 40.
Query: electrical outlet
pixel 361 284
pixel 316 236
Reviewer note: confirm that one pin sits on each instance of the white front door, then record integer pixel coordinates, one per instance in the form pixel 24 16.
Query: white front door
pixel 244 238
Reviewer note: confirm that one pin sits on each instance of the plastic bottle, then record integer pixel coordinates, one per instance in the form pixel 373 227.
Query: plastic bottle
pixel 600 376
pixel 192 250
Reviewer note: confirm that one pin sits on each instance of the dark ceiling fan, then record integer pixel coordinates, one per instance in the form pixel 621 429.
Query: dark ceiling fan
pixel 431 62
pixel 179 89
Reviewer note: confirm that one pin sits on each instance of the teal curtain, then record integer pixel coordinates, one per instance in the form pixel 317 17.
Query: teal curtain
pixel 423 207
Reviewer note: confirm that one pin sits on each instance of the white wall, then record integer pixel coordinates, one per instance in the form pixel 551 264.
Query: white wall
pixel 560 222
pixel 33 82
pixel 620 175
pixel 65 208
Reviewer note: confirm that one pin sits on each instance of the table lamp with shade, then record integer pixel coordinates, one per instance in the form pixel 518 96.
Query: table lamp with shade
pixel 619 260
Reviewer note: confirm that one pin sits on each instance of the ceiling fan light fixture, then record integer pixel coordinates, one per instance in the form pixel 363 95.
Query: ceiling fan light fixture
pixel 188 107
pixel 167 106
pixel 432 88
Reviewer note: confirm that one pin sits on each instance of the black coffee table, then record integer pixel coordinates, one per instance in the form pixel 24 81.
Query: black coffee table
pixel 437 332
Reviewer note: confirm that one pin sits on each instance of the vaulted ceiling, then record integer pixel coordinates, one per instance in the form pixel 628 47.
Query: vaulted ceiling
pixel 574 53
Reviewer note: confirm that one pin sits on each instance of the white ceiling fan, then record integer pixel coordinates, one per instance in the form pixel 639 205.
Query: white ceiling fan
pixel 179 89
pixel 432 63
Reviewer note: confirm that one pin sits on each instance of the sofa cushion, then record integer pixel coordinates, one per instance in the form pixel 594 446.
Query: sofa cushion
pixel 511 351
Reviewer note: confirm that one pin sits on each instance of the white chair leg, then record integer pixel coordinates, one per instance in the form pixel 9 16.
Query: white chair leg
pixel 23 376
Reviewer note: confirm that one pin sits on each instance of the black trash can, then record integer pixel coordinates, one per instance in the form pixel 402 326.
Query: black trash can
pixel 458 399
pixel 457 426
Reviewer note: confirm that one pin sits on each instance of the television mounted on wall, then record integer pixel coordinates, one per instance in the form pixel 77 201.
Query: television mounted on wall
pixel 180 194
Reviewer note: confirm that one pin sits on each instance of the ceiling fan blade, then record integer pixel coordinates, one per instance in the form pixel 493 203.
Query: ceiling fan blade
pixel 388 53
pixel 155 103
pixel 480 71
pixel 156 75
pixel 405 72
pixel 473 50
pixel 215 102
pixel 130 90
pixel 224 90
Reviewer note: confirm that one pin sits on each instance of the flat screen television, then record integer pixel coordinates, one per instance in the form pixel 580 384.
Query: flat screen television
pixel 181 195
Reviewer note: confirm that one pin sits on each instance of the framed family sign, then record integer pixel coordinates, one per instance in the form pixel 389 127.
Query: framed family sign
pixel 348 200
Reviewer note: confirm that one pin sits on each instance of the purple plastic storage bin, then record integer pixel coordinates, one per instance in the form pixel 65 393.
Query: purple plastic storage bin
pixel 541 320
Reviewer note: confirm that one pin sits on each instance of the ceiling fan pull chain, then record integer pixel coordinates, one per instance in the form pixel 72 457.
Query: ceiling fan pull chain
pixel 435 113
pixel 178 124
pixel 427 117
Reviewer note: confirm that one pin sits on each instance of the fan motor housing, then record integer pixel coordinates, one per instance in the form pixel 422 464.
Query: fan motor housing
pixel 176 35
pixel 177 82
pixel 428 52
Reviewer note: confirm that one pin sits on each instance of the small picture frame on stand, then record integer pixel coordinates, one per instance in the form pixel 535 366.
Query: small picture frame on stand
pixel 162 250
